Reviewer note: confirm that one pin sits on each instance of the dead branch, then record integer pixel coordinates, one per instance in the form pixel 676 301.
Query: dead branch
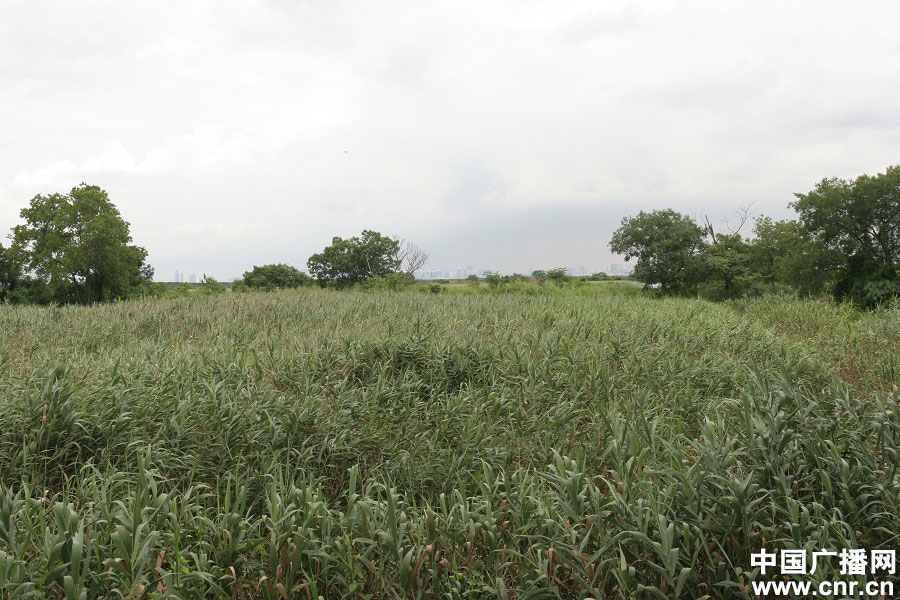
pixel 412 258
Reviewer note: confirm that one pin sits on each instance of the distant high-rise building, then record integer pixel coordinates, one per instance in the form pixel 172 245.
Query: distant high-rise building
pixel 192 278
pixel 177 276
pixel 619 269
pixel 427 274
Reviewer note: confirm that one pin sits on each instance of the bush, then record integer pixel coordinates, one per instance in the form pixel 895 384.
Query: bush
pixel 493 279
pixel 180 291
pixel 558 276
pixel 209 286
pixel 278 276
pixel 392 282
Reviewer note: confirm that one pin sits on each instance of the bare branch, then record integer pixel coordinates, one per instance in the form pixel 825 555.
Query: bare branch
pixel 744 214
pixel 412 258
pixel 709 229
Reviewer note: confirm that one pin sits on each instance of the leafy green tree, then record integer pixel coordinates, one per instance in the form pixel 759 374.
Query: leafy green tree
pixel 558 275
pixel 356 259
pixel 11 275
pixel 493 279
pixel 667 246
pixel 539 275
pixel 278 276
pixel 857 225
pixel 210 286
pixel 727 271
pixel 78 245
pixel 783 256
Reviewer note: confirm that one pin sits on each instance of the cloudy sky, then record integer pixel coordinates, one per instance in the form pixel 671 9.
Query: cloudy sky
pixel 506 135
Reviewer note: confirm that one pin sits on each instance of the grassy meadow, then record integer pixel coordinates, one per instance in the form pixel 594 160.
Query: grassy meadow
pixel 587 444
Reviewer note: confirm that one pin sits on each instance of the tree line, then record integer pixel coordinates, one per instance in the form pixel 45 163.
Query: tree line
pixel 370 258
pixel 844 242
pixel 76 248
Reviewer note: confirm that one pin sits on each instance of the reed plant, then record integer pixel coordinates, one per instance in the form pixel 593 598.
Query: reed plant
pixel 320 444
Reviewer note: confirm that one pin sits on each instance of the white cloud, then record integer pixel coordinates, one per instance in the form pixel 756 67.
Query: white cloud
pixel 112 158
pixel 277 124
pixel 595 23
pixel 218 229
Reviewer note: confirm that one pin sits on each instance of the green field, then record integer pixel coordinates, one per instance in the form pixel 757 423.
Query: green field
pixel 410 445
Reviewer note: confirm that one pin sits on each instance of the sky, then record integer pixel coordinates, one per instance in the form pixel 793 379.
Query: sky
pixel 506 135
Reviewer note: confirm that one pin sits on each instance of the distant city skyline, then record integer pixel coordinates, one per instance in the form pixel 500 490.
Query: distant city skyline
pixel 180 277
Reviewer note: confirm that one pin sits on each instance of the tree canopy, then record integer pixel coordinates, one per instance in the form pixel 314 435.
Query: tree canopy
pixel 855 226
pixel 666 245
pixel 558 275
pixel 11 276
pixel 354 260
pixel 276 276
pixel 783 257
pixel 845 241
pixel 76 248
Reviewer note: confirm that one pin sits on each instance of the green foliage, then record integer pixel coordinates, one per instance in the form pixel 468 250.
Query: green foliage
pixel 558 445
pixel 783 256
pixel 558 276
pixel 12 277
pixel 148 289
pixel 354 260
pixel 209 286
pixel 857 225
pixel 272 277
pixel 77 247
pixel 846 241
pixel 667 246
pixel 727 269
pixel 180 291
pixel 391 282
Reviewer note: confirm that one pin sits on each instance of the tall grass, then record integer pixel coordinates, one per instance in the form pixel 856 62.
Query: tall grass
pixel 392 445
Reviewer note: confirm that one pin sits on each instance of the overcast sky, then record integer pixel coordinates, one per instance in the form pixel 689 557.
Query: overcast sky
pixel 504 135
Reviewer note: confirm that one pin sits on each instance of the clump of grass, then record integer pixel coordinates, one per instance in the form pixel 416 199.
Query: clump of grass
pixel 315 444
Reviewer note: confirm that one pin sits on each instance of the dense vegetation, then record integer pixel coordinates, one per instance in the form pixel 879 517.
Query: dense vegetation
pixel 274 277
pixel 72 248
pixel 556 444
pixel 75 248
pixel 845 243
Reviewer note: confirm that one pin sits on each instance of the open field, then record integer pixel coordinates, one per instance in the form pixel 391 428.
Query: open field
pixel 395 445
